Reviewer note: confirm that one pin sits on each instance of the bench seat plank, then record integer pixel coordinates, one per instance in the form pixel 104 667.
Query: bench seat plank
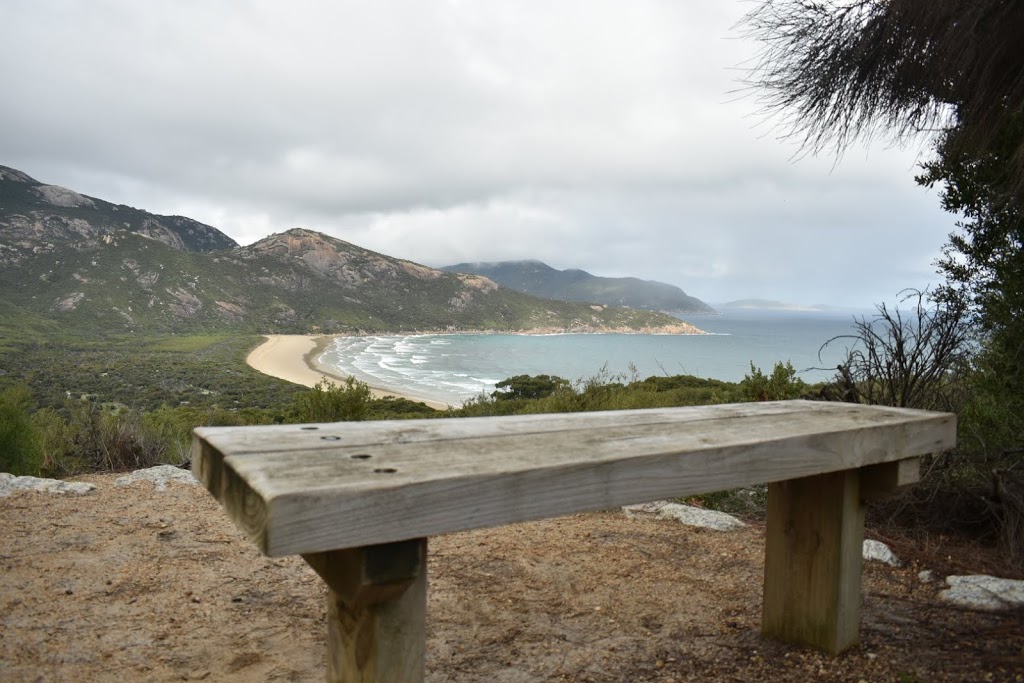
pixel 308 489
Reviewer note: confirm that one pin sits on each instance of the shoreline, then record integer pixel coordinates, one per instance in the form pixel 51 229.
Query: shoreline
pixel 682 329
pixel 293 358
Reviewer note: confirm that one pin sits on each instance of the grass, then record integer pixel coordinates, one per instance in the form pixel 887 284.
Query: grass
pixel 187 343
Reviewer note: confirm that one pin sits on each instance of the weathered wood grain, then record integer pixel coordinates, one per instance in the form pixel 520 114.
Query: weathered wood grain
pixel 886 479
pixel 371 574
pixel 813 558
pixel 375 637
pixel 314 488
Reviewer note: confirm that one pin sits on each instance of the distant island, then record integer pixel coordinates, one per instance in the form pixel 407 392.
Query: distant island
pixel 771 305
pixel 539 279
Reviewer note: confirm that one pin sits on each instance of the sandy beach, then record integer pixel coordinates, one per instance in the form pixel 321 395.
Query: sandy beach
pixel 292 357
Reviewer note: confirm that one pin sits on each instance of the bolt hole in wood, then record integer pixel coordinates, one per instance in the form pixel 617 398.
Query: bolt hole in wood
pixel 361 456
pixel 385 470
pixel 331 438
pixel 309 428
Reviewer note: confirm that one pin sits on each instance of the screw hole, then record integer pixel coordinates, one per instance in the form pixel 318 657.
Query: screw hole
pixel 331 438
pixel 385 470
pixel 309 428
pixel 361 456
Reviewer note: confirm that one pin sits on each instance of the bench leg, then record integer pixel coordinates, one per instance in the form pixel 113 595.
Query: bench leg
pixel 376 612
pixel 813 558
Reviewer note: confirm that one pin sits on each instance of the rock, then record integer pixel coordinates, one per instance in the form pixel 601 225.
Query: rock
pixel 984 592
pixel 879 552
pixel 159 476
pixel 686 514
pixel 10 483
pixel 926 576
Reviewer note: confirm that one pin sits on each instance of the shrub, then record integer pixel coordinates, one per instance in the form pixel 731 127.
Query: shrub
pixel 21 444
pixel 330 402
pixel 913 359
pixel 528 386
pixel 98 439
pixel 781 385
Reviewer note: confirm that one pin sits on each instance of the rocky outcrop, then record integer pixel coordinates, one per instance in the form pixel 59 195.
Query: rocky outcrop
pixel 341 261
pixel 684 514
pixel 160 476
pixel 984 592
pixel 876 551
pixel 62 196
pixel 10 483
pixel 36 216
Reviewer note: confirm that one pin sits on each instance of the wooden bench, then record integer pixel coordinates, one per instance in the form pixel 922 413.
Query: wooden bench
pixel 358 500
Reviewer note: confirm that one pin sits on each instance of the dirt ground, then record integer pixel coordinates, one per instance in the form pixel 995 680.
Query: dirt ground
pixel 132 584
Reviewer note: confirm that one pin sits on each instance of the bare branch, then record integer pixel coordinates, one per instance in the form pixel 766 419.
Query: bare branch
pixel 908 360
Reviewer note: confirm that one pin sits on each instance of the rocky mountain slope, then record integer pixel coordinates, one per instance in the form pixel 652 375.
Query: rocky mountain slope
pixel 540 279
pixel 36 218
pixel 84 264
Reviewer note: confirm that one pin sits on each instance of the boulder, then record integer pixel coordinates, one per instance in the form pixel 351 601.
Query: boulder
pixel 685 514
pixel 876 551
pixel 10 483
pixel 984 592
pixel 159 476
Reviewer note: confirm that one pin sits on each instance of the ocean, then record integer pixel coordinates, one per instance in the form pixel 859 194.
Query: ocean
pixel 451 368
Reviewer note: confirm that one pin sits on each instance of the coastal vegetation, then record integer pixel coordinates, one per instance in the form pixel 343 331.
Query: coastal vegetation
pixel 70 405
pixel 950 73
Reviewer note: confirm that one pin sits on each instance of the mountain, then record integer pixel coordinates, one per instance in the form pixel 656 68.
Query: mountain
pixel 35 218
pixel 81 264
pixel 540 279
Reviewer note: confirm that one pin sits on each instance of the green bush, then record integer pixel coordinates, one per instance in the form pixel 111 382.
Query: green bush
pixel 21 444
pixel 330 402
pixel 396 408
pixel 528 386
pixel 781 385
pixel 99 439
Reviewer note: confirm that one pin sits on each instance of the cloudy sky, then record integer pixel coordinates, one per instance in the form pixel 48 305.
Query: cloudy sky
pixel 597 134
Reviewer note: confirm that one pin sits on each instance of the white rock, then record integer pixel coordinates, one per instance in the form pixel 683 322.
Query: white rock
pixel 880 552
pixel 159 476
pixel 686 514
pixel 926 576
pixel 984 592
pixel 62 196
pixel 10 483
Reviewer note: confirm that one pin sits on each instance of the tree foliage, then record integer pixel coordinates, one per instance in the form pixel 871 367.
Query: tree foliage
pixel 330 402
pixel 836 70
pixel 984 261
pixel 21 445
pixel 781 385
pixel 528 386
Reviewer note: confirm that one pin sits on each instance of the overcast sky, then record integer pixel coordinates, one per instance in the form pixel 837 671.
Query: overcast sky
pixel 597 134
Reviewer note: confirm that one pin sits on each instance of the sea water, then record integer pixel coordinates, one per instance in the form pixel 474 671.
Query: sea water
pixel 451 368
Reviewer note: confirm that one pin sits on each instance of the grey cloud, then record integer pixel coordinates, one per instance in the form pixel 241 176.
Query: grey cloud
pixel 598 134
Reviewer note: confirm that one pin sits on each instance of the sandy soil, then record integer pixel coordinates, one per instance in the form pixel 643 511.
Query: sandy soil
pixel 133 584
pixel 292 357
